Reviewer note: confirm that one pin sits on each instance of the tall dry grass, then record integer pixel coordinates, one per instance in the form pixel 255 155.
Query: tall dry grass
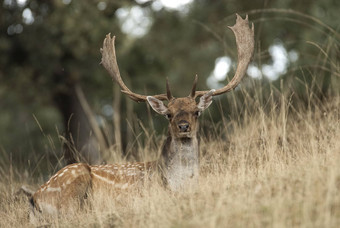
pixel 278 167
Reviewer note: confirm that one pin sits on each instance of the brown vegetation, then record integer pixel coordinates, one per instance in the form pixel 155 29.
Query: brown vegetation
pixel 278 168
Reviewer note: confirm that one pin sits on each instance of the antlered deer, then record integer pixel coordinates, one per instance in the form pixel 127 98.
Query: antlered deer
pixel 179 162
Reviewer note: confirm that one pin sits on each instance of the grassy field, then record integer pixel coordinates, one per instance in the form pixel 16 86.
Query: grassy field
pixel 273 168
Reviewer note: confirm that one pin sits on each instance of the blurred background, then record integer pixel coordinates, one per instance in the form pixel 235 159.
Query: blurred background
pixel 58 104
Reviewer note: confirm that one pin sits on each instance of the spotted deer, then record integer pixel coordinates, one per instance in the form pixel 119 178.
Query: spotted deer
pixel 178 165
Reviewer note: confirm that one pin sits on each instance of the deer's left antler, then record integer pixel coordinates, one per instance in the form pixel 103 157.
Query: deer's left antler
pixel 245 49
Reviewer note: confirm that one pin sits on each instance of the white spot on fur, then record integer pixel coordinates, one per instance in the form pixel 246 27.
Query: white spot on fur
pixel 50 189
pixel 122 186
pixel 103 179
pixel 121 172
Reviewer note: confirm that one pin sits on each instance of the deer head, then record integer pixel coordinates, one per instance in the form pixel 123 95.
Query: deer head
pixel 182 113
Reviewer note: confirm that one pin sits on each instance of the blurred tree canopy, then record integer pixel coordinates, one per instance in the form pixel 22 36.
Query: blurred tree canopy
pixel 50 48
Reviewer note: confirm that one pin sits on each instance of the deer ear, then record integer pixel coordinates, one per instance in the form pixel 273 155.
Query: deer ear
pixel 157 105
pixel 205 100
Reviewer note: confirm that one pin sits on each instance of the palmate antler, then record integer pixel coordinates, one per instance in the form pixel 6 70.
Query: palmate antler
pixel 245 49
pixel 109 61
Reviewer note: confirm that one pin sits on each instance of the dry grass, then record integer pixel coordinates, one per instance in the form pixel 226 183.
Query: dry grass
pixel 280 169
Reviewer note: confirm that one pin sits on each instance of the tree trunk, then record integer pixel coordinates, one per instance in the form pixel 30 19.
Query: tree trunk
pixel 80 144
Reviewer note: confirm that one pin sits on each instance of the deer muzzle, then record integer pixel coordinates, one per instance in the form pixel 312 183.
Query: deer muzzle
pixel 183 126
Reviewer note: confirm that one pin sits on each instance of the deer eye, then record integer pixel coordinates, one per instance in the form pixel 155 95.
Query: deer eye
pixel 168 116
pixel 197 113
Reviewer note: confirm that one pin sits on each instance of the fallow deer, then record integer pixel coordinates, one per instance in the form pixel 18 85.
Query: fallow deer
pixel 179 162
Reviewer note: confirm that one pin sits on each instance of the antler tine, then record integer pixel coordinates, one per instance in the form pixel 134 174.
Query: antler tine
pixel 193 90
pixel 245 49
pixel 109 61
pixel 168 91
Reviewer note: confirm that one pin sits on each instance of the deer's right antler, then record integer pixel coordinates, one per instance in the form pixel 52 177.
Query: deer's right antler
pixel 109 61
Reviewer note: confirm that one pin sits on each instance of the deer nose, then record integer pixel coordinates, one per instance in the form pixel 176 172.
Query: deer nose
pixel 183 126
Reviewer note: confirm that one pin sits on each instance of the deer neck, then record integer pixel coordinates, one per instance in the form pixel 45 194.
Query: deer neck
pixel 180 162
